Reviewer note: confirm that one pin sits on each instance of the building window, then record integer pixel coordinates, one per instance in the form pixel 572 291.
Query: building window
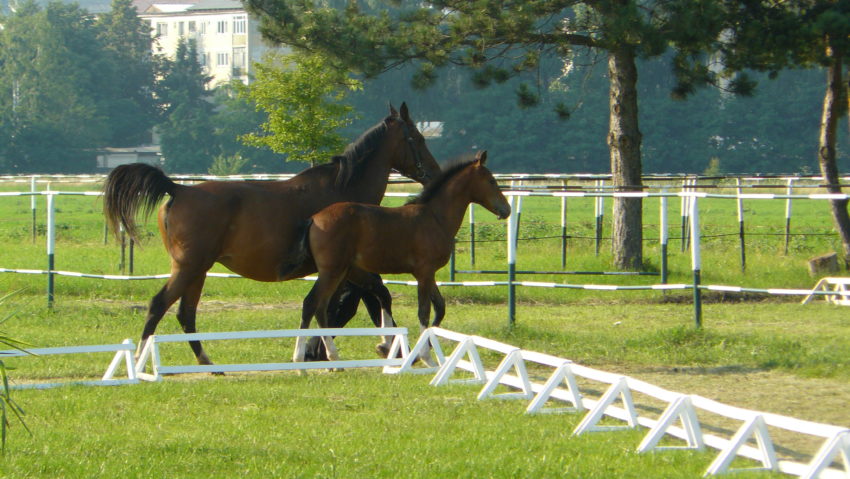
pixel 239 24
pixel 180 28
pixel 162 29
pixel 239 58
pixel 202 28
pixel 222 59
pixel 192 28
pixel 202 59
pixel 222 26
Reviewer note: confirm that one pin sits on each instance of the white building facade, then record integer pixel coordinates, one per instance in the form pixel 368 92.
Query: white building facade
pixel 227 38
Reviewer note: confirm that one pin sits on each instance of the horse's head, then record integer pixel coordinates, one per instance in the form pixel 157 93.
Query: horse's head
pixel 412 157
pixel 484 190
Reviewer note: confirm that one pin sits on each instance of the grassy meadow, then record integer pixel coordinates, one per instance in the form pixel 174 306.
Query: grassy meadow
pixel 767 353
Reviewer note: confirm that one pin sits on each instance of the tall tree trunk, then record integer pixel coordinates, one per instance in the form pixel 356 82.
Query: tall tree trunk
pixel 624 139
pixel 833 107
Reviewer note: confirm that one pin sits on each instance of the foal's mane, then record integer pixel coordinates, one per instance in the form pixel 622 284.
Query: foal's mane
pixel 350 163
pixel 435 186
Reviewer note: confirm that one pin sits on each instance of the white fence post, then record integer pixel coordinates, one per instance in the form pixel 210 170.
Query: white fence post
pixel 51 247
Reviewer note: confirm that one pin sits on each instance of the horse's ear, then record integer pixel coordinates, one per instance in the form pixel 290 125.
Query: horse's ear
pixel 481 157
pixel 392 111
pixel 405 115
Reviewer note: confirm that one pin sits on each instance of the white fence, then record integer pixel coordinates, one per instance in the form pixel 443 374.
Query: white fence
pixel 559 393
pixel 123 352
pixel 690 205
pixel 150 352
pixel 562 386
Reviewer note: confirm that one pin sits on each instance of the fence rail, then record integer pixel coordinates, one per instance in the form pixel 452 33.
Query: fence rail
pixel 682 409
pixel 690 227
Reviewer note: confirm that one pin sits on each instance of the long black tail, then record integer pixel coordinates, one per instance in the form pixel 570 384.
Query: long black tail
pixel 132 188
pixel 302 251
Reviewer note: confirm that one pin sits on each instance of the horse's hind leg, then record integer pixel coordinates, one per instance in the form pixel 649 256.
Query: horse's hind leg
pixel 377 299
pixel 170 292
pixel 156 310
pixel 439 306
pixel 342 308
pixel 325 288
pixel 186 316
pixel 426 287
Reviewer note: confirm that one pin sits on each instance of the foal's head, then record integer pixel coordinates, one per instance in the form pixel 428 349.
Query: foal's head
pixel 412 157
pixel 483 188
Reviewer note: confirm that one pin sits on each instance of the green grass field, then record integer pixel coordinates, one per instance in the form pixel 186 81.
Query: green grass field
pixel 762 353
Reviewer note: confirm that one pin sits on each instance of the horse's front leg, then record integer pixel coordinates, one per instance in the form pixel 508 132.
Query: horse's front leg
pixel 325 288
pixel 308 309
pixel 378 302
pixel 425 291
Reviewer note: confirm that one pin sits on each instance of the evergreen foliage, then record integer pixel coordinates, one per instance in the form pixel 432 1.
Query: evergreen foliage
pixel 186 128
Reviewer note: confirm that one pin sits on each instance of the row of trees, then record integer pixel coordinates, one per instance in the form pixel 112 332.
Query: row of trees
pixel 72 83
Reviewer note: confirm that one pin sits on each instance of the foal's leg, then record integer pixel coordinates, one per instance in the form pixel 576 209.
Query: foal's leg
pixel 425 292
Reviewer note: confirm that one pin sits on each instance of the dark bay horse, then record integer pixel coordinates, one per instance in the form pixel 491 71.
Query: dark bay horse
pixel 254 228
pixel 357 241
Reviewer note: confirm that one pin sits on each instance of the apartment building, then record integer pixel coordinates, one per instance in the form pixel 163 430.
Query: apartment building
pixel 227 38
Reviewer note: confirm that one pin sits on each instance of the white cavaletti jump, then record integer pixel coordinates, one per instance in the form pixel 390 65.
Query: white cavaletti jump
pixel 150 351
pixel 558 394
pixel 680 419
pixel 123 352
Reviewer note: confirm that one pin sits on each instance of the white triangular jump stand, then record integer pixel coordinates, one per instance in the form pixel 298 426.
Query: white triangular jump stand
pixel 464 349
pixel 129 362
pixel 681 408
pixel 618 389
pixel 399 345
pixel 755 427
pixel 150 351
pixel 514 361
pixel 427 338
pixel 839 444
pixel 562 374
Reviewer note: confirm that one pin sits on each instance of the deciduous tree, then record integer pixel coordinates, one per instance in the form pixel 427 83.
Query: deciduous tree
pixel 303 98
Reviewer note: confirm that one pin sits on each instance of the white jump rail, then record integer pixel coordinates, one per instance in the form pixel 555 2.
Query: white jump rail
pixel 679 419
pixel 150 351
pixel 123 352
pixel 833 289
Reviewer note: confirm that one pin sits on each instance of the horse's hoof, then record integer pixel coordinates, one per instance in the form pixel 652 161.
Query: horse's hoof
pixel 382 350
pixel 218 373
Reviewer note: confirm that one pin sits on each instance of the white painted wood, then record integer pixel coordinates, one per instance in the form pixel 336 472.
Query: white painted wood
pixel 513 361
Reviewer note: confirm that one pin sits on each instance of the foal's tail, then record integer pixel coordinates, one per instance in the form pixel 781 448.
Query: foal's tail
pixel 131 188
pixel 301 251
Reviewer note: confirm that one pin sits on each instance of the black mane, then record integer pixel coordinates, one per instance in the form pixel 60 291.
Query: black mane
pixel 349 165
pixel 435 186
pixel 357 153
